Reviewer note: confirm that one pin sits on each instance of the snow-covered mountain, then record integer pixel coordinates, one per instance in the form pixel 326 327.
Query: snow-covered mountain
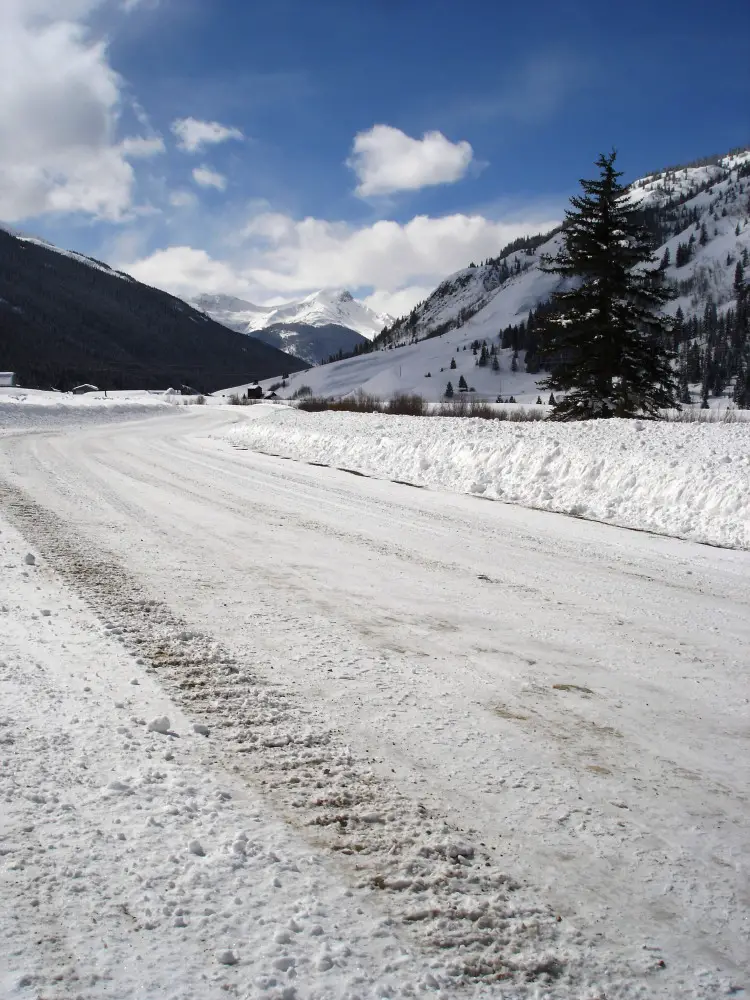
pixel 66 318
pixel 700 217
pixel 320 326
pixel 238 314
pixel 329 307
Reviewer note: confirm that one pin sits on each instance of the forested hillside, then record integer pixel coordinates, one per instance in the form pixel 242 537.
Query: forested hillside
pixel 66 319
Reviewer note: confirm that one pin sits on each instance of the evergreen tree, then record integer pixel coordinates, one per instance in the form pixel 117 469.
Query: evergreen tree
pixel 742 391
pixel 684 252
pixel 739 276
pixel 495 363
pixel 453 363
pixel 449 391
pixel 693 364
pixel 462 384
pixel 605 337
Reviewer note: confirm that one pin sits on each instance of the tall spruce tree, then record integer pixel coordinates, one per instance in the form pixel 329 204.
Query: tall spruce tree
pixel 605 339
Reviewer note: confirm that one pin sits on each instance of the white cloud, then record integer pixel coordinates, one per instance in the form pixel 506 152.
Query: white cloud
pixel 187 271
pixel 398 303
pixel 193 135
pixel 284 258
pixel 182 199
pixel 59 107
pixel 142 147
pixel 386 160
pixel 206 177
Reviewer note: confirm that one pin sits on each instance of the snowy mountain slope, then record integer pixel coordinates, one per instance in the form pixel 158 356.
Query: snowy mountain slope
pixel 67 319
pixel 403 364
pixel 703 211
pixel 327 323
pixel 709 205
pixel 81 258
pixel 312 344
pixel 238 314
pixel 328 307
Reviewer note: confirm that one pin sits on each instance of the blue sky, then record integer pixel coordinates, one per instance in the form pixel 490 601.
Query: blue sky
pixel 270 148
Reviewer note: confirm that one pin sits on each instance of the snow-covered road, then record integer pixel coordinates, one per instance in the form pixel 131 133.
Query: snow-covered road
pixel 519 740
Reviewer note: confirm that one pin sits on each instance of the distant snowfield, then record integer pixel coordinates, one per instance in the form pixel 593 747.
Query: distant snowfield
pixel 684 480
pixel 34 407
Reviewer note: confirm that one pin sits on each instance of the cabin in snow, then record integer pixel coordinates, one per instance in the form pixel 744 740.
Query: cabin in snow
pixel 7 379
pixel 86 387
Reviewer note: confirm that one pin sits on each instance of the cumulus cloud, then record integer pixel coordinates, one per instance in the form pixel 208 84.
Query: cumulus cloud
pixel 193 135
pixel 60 102
pixel 206 177
pixel 187 271
pixel 282 257
pixel 142 147
pixel 397 303
pixel 182 199
pixel 386 160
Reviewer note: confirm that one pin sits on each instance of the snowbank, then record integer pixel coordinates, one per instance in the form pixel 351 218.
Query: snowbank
pixel 684 480
pixel 40 407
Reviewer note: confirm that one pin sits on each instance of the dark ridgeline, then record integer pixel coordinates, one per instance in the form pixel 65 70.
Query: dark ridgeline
pixel 64 322
pixel 314 344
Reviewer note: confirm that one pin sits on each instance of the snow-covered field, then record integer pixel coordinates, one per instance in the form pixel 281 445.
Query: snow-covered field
pixel 686 480
pixel 42 407
pixel 416 745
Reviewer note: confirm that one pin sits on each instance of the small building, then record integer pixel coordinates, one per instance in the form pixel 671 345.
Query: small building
pixel 78 390
pixel 7 379
pixel 271 395
pixel 254 392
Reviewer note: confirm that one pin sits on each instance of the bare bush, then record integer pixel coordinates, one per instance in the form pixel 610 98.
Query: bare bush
pixel 408 405
pixel 691 415
pixel 463 406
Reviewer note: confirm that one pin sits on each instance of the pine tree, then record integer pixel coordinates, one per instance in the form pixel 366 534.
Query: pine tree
pixel 449 391
pixel 453 363
pixel 462 384
pixel 605 337
pixel 739 276
pixel 495 363
pixel 742 390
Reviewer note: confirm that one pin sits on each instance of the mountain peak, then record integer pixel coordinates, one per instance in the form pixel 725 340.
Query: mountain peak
pixel 326 307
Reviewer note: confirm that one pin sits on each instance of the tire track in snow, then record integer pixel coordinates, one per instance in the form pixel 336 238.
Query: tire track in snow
pixel 446 888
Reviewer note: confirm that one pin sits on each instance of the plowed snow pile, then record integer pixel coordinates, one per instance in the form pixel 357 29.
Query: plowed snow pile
pixel 684 480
